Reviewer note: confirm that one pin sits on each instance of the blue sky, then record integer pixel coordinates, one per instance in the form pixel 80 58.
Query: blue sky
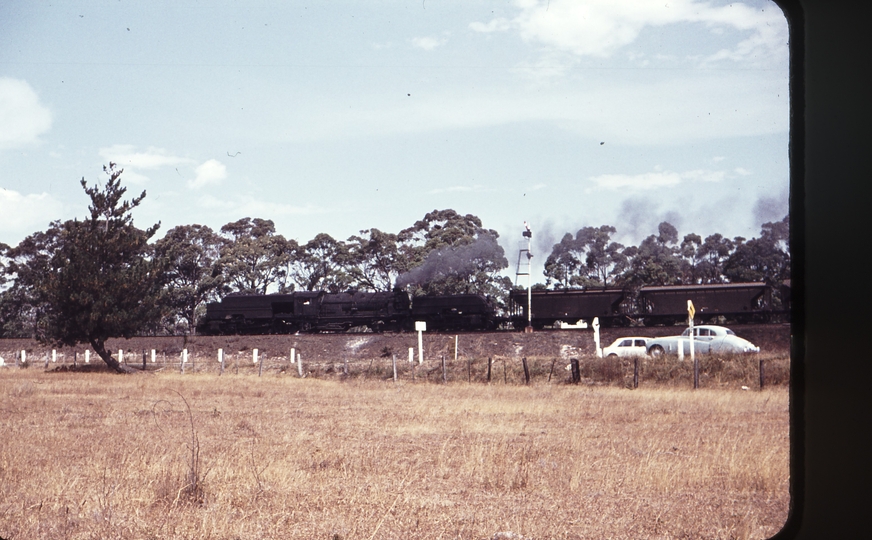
pixel 336 117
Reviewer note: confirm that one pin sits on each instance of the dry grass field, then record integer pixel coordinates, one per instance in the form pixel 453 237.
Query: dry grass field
pixel 165 455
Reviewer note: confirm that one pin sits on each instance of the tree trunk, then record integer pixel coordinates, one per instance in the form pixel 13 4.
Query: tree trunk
pixel 100 348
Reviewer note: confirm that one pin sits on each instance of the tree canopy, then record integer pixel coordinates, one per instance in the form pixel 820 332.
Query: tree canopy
pixel 91 280
pixel 193 277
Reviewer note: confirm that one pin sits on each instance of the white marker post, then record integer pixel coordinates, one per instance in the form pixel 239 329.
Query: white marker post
pixel 411 354
pixel 153 356
pixel 120 356
pixel 221 360
pixel 293 354
pixel 87 356
pixel 421 327
pixel 596 337
pixel 254 355
pixel 300 366
pixel 54 355
pixel 690 313
pixel 23 357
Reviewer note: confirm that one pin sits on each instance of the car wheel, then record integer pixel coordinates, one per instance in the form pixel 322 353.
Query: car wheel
pixel 613 355
pixel 656 351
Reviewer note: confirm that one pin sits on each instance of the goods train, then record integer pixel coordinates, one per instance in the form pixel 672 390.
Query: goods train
pixel 321 311
pixel 664 305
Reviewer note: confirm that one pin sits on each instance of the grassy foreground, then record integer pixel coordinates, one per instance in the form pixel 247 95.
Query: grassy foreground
pixel 95 455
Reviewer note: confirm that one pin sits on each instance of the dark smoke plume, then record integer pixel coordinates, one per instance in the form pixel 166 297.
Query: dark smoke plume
pixel 463 260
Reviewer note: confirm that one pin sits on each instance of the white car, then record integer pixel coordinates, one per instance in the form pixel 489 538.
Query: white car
pixel 706 339
pixel 627 346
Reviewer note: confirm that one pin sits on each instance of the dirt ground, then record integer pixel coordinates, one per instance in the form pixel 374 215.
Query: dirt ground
pixel 336 347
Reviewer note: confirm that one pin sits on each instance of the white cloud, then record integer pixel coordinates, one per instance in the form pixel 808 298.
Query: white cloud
pixel 741 171
pixel 132 177
pixel 22 117
pixel 126 155
pixel 210 172
pixel 598 28
pixel 428 43
pixel 653 180
pixel 20 214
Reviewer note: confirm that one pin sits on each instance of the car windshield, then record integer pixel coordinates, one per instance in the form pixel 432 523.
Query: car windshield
pixel 730 332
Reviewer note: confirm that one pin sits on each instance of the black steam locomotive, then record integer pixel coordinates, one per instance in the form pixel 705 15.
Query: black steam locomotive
pixel 396 311
pixel 340 312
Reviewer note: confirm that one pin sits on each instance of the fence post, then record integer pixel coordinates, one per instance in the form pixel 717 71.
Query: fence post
pixel 469 370
pixel 292 354
pixel 345 366
pixel 635 372
pixel 444 374
pixel 221 361
pixel 552 369
pixel 489 364
pixel 143 359
pixel 695 372
pixel 300 365
pixel 576 372
pixel 505 373
pixel 394 363
pixel 75 358
pixel 153 356
pixel 260 366
pixel 87 356
pixel 526 371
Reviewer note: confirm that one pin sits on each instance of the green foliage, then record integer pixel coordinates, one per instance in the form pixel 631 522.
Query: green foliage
pixel 762 259
pixel 88 281
pixel 655 261
pixel 373 261
pixel 253 256
pixel 193 276
pixel 449 253
pixel 590 259
pixel 318 265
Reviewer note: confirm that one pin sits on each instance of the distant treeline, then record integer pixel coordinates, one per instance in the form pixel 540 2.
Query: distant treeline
pixel 443 253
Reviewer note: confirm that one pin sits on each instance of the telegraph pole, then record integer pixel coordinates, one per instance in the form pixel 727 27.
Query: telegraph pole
pixel 529 235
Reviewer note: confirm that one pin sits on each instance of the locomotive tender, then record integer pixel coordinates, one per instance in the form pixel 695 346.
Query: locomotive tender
pixel 320 311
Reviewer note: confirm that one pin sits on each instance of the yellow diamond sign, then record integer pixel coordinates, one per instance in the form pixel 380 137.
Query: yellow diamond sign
pixel 690 309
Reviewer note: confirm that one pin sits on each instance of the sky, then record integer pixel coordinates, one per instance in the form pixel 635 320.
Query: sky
pixel 335 117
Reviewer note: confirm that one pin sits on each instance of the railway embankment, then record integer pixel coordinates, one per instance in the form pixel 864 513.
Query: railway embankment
pixel 772 338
